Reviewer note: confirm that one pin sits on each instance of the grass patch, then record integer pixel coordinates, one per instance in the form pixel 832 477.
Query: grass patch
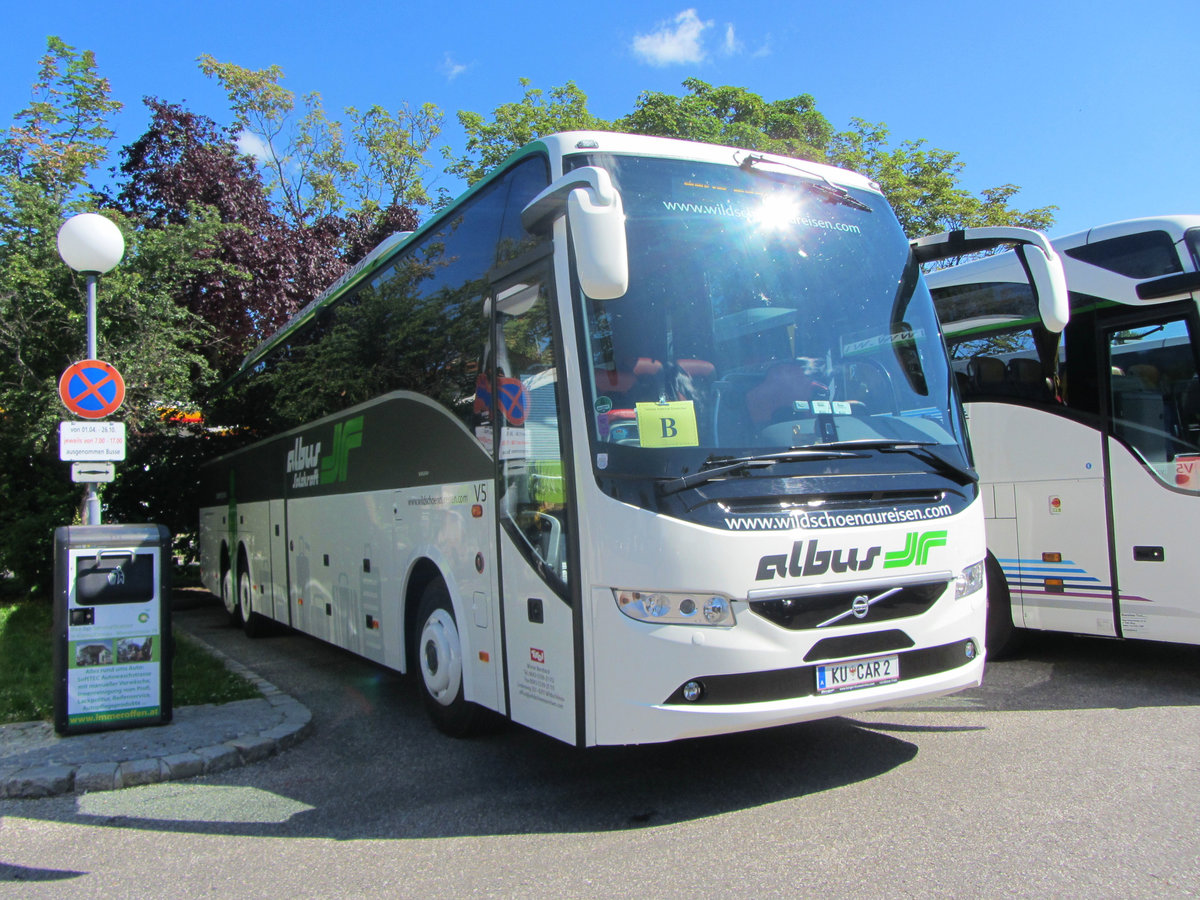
pixel 27 667
pixel 199 677
pixel 26 662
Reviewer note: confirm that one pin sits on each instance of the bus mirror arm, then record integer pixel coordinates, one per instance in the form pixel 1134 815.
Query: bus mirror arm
pixel 1176 286
pixel 596 218
pixel 1042 264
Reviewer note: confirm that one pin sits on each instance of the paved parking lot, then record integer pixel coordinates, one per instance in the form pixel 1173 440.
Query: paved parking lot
pixel 1072 771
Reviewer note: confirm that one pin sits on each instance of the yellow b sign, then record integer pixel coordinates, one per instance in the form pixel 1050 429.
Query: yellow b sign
pixel 668 424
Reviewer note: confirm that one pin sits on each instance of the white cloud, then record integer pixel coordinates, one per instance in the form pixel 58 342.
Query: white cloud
pixel 253 145
pixel 732 46
pixel 452 69
pixel 674 42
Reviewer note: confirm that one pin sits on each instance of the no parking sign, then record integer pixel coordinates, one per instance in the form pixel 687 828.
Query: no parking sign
pixel 91 388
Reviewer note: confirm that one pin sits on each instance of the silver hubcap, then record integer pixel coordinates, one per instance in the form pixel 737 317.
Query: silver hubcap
pixel 440 653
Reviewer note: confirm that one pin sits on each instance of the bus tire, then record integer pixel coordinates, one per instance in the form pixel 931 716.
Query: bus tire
pixel 1001 637
pixel 253 623
pixel 440 664
pixel 229 598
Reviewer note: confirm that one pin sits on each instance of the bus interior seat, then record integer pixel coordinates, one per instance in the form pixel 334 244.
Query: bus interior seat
pixel 987 374
pixel 1189 410
pixel 1147 374
pixel 783 385
pixel 1028 379
pixel 635 382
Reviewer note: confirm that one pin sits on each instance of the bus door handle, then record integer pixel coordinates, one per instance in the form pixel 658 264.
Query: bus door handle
pixel 1148 554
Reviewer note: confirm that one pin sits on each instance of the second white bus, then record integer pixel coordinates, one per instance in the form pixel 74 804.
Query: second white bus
pixel 1089 446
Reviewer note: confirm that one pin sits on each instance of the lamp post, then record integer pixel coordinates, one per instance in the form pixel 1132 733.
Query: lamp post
pixel 91 245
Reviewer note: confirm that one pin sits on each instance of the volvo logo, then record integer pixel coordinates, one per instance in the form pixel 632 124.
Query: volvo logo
pixel 860 606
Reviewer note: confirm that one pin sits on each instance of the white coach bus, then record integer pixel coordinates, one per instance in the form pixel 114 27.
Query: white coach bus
pixel 1088 447
pixel 638 440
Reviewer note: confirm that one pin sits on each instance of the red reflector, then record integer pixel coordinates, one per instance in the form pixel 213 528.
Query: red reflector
pixel 477 511
pixel 484 657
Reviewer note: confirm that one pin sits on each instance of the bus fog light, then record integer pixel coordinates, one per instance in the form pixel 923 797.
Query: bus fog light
pixel 676 608
pixel 693 691
pixel 971 650
pixel 969 580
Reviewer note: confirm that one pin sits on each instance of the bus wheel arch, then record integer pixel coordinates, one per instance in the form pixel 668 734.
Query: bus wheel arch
pixel 1002 635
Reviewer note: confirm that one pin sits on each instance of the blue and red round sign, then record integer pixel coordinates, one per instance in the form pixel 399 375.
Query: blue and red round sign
pixel 91 388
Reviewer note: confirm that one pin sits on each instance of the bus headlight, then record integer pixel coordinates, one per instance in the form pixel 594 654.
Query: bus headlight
pixel 675 608
pixel 969 580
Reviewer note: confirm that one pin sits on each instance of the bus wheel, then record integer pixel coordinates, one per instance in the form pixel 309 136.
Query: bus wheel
pixel 439 655
pixel 1001 637
pixel 228 598
pixel 252 622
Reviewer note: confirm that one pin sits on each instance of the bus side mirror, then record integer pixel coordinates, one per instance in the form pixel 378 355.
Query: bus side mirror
pixel 596 218
pixel 1045 270
pixel 1041 262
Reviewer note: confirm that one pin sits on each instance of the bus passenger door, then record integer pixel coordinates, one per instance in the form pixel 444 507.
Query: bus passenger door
pixel 1154 466
pixel 534 530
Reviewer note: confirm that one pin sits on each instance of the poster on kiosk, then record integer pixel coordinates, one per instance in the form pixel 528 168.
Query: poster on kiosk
pixel 112 627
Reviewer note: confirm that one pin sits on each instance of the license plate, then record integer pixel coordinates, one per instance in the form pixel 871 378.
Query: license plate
pixel 857 673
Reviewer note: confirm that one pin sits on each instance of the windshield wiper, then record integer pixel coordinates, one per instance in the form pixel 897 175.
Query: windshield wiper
pixel 716 467
pixel 826 188
pixel 919 449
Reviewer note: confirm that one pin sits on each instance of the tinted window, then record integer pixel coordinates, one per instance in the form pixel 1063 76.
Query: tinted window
pixel 419 325
pixel 1144 255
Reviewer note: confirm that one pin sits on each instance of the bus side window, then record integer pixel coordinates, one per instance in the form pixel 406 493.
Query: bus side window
pixel 531 454
pixel 1155 397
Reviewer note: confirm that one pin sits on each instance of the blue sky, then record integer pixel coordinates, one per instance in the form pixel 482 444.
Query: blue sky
pixel 1089 106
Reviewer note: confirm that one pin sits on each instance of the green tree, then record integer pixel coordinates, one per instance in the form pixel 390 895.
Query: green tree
pixel 733 116
pixel 391 153
pixel 923 184
pixel 65 130
pixel 310 166
pixel 513 125
pixel 45 159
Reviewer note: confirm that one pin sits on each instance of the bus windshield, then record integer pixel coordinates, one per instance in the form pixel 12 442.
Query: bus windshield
pixel 766 311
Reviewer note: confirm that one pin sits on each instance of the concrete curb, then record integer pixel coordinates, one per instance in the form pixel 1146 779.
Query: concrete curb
pixel 286 723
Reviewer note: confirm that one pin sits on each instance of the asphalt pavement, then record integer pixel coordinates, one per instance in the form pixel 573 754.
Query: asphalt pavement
pixel 35 761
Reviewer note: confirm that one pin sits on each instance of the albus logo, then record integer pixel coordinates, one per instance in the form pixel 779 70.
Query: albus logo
pixel 309 468
pixel 815 561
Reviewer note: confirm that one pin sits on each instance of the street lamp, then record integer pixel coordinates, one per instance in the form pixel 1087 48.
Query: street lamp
pixel 91 245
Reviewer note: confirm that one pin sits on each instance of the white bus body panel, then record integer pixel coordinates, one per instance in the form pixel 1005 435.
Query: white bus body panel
pixel 1046 481
pixel 645 663
pixel 1160 600
pixel 540 634
pixel 350 557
